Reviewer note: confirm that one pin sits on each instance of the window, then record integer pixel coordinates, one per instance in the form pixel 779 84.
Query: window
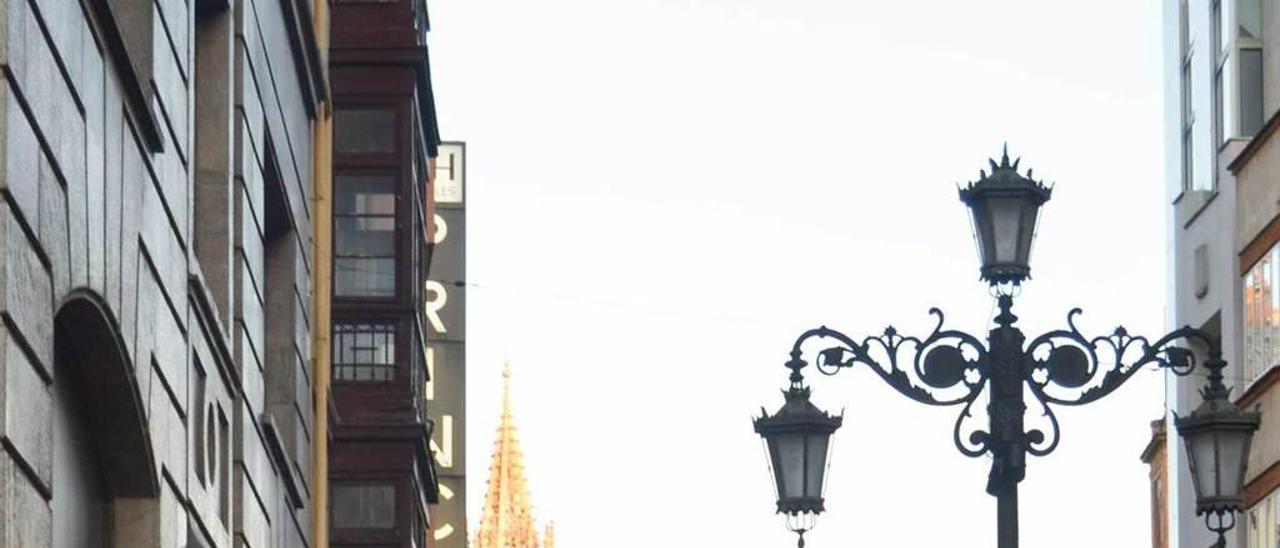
pixel 364 219
pixel 1238 110
pixel 1188 110
pixel 1249 19
pixel 1262 315
pixel 364 351
pixel 213 188
pixel 1221 73
pixel 364 130
pixel 1262 528
pixel 126 28
pixel 1251 110
pixel 1221 29
pixel 223 468
pixel 1249 42
pixel 210 459
pixel 363 506
pixel 202 448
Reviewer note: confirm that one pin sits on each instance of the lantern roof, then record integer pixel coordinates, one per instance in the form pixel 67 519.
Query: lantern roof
pixel 1217 411
pixel 797 413
pixel 1004 177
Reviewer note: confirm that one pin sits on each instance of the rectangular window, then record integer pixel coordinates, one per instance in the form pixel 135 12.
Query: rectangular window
pixel 364 225
pixel 1238 110
pixel 1224 103
pixel 1262 315
pixel 1221 76
pixel 1188 111
pixel 1220 107
pixel 1249 19
pixel 1262 526
pixel 212 230
pixel 223 470
pixel 1251 108
pixel 1184 28
pixel 363 506
pixel 1220 29
pixel 364 351
pixel 364 130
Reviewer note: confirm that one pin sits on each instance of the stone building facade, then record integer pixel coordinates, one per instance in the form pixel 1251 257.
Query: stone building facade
pixel 156 268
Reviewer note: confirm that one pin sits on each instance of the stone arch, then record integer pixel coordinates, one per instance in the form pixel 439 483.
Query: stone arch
pixel 98 389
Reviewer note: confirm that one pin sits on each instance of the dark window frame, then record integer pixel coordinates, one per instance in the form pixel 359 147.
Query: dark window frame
pixel 390 109
pixel 349 371
pixel 396 217
pixel 395 501
pixel 390 163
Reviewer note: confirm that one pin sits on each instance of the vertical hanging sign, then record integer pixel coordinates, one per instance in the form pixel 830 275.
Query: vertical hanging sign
pixel 445 322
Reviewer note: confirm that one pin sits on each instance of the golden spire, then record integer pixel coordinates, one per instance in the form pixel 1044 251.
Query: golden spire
pixel 506 520
pixel 549 537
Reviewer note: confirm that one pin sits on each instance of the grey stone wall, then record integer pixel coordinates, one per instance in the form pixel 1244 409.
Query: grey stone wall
pixel 91 207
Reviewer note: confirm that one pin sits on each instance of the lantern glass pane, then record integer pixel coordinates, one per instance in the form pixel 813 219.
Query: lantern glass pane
pixel 791 465
pixel 773 472
pixel 817 464
pixel 1006 217
pixel 1028 231
pixel 979 238
pixel 1231 450
pixel 1204 452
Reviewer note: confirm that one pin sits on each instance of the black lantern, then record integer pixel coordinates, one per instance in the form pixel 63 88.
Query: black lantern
pixel 1004 206
pixel 1217 436
pixel 797 438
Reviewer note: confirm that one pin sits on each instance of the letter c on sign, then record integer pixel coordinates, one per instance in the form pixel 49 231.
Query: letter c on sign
pixel 445 529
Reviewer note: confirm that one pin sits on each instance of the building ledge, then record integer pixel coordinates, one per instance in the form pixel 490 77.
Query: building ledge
pixel 1255 144
pixel 1255 390
pixel 1191 203
pixel 278 454
pixel 1258 488
pixel 1260 244
pixel 1156 444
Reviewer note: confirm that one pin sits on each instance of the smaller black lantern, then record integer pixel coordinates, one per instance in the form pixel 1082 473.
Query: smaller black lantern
pixel 1217 436
pixel 1004 207
pixel 797 438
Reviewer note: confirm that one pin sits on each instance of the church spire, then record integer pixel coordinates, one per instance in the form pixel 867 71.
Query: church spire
pixel 506 520
pixel 549 537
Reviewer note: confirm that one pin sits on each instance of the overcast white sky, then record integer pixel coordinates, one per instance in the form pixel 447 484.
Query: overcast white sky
pixel 664 193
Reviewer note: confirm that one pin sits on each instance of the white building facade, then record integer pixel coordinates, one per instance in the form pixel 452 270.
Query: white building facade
pixel 1221 70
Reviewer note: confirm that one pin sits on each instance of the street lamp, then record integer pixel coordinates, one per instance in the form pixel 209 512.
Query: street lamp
pixel 1004 207
pixel 797 439
pixel 1217 435
pixel 1060 367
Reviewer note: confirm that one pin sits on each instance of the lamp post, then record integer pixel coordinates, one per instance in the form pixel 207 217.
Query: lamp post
pixel 1060 367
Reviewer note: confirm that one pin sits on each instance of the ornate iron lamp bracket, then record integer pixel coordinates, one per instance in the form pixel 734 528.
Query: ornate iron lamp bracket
pixel 945 368
pixel 1065 367
pixel 950 367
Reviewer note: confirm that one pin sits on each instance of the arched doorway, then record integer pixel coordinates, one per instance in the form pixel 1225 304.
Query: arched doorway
pixel 102 451
pixel 79 495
